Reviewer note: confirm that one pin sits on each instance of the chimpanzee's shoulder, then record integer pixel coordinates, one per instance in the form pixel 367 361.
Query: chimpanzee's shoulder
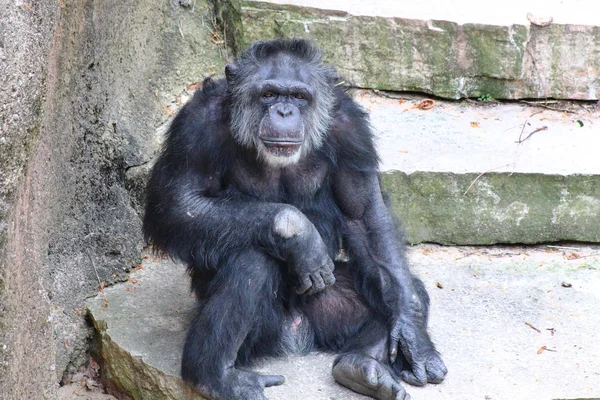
pixel 351 135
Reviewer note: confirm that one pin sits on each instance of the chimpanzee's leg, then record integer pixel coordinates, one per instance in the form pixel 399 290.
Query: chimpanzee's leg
pixel 237 306
pixel 364 364
pixel 344 324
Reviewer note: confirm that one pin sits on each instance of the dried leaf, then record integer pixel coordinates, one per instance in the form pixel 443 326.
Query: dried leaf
pixel 572 256
pixel 194 86
pixel 425 104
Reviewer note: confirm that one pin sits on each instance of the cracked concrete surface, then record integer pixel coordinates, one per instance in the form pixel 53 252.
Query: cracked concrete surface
pixel 510 322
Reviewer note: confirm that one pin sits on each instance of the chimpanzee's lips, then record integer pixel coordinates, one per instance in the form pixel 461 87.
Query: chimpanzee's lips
pixel 282 147
pixel 281 142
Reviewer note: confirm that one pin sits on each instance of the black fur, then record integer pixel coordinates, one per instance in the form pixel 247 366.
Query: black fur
pixel 251 231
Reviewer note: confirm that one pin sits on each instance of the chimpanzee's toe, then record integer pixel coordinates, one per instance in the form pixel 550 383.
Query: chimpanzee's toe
pixel 368 376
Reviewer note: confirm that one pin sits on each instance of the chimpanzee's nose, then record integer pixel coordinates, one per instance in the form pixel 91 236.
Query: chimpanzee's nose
pixel 284 110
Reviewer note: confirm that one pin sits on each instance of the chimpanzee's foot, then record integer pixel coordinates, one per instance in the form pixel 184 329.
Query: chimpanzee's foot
pixel 419 361
pixel 240 385
pixel 368 376
pixel 429 369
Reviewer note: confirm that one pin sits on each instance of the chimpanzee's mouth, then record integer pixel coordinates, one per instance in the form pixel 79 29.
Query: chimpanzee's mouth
pixel 282 147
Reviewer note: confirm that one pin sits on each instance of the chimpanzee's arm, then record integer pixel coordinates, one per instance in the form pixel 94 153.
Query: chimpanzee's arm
pixel 374 246
pixel 183 220
pixel 373 243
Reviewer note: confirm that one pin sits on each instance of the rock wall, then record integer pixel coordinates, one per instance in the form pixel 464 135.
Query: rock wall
pixel 85 87
pixel 27 367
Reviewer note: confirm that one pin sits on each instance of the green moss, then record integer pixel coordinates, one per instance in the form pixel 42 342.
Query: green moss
pixel 498 208
pixel 496 52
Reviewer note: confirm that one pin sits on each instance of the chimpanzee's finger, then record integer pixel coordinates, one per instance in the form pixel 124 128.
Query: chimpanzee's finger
pixel 328 278
pixel 330 265
pixel 393 342
pixel 318 284
pixel 271 380
pixel 305 284
pixel 369 372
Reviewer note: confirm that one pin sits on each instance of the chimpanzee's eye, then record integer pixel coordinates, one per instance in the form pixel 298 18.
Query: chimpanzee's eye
pixel 299 96
pixel 268 95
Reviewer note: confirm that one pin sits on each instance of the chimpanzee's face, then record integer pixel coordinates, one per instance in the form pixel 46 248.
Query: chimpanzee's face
pixel 278 112
pixel 284 99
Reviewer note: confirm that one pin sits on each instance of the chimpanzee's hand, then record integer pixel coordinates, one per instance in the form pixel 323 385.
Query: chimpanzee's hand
pixel 411 337
pixel 305 251
pixel 315 271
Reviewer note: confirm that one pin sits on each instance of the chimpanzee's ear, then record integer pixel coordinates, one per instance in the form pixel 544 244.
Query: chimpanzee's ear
pixel 231 71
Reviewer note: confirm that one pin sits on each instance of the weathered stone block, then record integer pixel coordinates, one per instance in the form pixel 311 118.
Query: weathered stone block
pixel 444 58
pixel 452 208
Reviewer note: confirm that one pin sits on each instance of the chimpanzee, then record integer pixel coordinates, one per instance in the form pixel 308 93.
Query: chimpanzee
pixel 268 189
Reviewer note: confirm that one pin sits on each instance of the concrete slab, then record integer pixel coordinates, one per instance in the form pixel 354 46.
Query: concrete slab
pixel 463 137
pixel 450 49
pixel 456 173
pixel 511 323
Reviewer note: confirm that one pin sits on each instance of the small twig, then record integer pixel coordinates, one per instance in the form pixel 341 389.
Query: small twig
pixel 532 327
pixel 544 348
pixel 531 103
pixel 225 37
pixel 480 175
pixel 563 247
pixel 541 101
pixel 94 265
pixel 523 129
pixel 543 128
pixel 179 28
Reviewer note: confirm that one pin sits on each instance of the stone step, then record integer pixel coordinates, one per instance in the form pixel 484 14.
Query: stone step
pixel 511 323
pixel 449 49
pixel 456 173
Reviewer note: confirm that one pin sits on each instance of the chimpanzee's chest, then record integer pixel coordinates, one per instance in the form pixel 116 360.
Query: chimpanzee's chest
pixel 299 184
pixel 307 186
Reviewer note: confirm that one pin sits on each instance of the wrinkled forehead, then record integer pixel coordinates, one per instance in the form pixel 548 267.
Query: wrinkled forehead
pixel 284 67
